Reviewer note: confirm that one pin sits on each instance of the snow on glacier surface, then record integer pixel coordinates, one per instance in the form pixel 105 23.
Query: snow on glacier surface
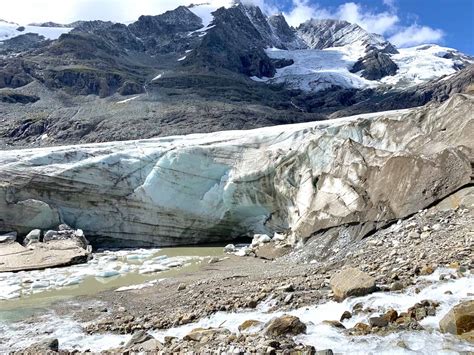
pixel 422 63
pixel 315 69
pixel 9 30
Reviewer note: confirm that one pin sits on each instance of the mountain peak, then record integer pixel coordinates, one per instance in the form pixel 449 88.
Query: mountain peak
pixel 326 33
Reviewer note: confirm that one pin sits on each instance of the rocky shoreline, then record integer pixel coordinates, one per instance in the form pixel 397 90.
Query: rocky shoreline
pixel 432 247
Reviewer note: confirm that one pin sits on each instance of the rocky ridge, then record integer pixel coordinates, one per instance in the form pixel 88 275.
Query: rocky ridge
pixel 177 69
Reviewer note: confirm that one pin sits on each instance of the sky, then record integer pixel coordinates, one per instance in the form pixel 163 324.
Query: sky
pixel 403 22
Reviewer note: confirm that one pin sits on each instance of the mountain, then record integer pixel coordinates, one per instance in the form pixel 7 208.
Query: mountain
pixel 199 69
pixel 322 34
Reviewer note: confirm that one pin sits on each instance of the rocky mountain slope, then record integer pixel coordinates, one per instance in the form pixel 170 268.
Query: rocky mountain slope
pixel 356 173
pixel 188 70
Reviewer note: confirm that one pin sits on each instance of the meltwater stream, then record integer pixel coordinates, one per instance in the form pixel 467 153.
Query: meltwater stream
pixel 19 334
pixel 322 336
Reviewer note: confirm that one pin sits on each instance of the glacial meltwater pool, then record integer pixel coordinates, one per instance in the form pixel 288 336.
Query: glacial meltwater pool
pixel 23 293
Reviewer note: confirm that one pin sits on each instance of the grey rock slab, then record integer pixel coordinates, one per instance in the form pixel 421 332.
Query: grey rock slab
pixel 15 257
pixel 351 282
pixel 8 237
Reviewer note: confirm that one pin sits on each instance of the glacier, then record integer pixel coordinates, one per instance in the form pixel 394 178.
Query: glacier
pixel 319 69
pixel 296 180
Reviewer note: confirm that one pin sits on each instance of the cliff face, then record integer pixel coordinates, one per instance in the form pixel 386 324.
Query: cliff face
pixel 297 179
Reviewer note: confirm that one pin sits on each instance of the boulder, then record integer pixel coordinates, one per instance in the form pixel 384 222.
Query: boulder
pixel 8 237
pixel 249 324
pixel 229 248
pixel 199 334
pixel 345 315
pixel 32 237
pixel 43 347
pixel 271 251
pixel 391 315
pixel 334 324
pixel 351 282
pixel 141 341
pixel 40 255
pixel 285 325
pixel 378 322
pixel 459 320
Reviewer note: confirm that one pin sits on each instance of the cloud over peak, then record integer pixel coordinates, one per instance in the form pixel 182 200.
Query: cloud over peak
pixel 386 22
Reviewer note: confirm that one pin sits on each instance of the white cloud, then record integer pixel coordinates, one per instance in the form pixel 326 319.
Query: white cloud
pixel 373 22
pixel 415 34
pixel 64 11
pixel 303 11
pixel 380 23
pixel 390 4
pixel 385 23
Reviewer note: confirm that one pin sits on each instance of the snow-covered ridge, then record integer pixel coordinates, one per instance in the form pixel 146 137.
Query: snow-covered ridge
pixel 10 30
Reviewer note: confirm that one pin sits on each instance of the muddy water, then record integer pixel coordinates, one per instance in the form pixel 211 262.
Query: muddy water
pixel 30 301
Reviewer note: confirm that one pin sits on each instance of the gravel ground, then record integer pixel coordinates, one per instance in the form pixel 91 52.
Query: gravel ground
pixel 395 256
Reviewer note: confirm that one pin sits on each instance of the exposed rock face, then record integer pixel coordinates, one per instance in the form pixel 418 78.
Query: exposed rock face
pixel 298 179
pixel 351 282
pixel 320 34
pixel 375 65
pixel 234 43
pixel 459 320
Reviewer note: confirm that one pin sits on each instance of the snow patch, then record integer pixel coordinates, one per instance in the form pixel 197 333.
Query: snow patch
pixel 127 100
pixel 9 30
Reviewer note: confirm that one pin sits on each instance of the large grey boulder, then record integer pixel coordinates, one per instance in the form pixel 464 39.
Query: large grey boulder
pixel 8 237
pixel 57 248
pixel 32 237
pixel 298 179
pixel 351 282
pixel 285 325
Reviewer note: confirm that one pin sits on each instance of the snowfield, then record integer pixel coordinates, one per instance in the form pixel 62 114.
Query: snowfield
pixel 315 70
pixel 9 30
pixel 423 63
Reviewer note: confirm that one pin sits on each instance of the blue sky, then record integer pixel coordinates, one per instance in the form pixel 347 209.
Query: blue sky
pixel 447 22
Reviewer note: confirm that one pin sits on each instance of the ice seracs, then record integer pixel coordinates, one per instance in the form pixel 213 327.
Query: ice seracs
pixel 214 187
